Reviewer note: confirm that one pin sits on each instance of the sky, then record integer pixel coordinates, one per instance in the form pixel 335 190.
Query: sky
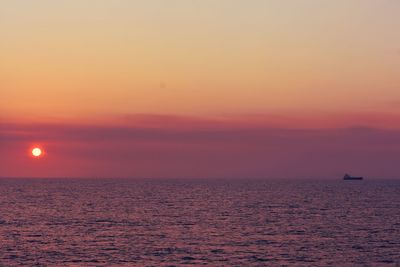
pixel 202 88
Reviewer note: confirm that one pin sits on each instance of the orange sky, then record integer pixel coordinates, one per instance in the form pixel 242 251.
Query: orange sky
pixel 228 65
pixel 79 58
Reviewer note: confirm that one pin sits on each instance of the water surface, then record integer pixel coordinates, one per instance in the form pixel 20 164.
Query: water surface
pixel 192 222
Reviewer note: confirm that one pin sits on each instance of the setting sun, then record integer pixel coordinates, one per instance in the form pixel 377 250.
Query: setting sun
pixel 36 152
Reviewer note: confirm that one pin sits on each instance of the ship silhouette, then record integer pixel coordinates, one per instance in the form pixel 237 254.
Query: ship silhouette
pixel 349 177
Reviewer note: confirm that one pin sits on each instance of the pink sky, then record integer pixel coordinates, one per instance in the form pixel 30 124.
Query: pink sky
pixel 196 148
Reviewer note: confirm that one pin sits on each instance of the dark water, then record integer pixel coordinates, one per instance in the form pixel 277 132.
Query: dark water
pixel 216 223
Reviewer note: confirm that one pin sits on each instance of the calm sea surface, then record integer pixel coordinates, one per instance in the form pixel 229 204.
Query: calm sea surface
pixel 216 223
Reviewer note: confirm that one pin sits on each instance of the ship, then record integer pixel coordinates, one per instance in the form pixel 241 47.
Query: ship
pixel 349 177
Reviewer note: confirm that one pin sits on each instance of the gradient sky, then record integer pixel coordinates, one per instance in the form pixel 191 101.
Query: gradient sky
pixel 202 88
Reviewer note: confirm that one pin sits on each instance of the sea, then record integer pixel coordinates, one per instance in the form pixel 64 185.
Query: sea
pixel 183 222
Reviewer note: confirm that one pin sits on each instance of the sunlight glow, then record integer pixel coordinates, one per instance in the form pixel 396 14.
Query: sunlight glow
pixel 36 152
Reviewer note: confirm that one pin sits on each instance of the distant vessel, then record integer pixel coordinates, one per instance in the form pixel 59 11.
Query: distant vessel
pixel 349 177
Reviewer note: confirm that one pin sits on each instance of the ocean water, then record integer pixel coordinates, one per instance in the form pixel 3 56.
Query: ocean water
pixel 193 223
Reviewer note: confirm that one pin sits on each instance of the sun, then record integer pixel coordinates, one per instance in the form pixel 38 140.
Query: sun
pixel 37 152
